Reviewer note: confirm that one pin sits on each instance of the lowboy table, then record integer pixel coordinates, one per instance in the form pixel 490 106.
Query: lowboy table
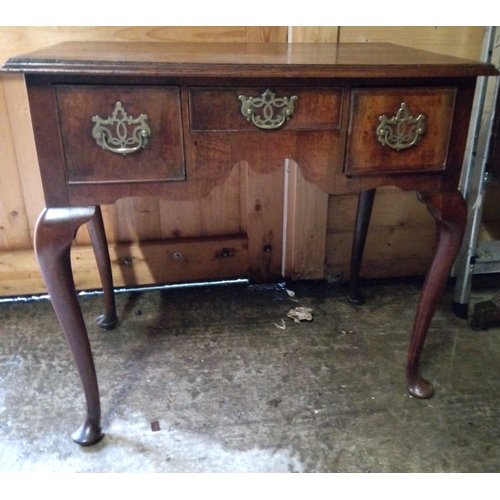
pixel 113 120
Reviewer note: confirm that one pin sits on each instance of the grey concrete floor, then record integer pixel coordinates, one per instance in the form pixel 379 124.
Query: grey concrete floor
pixel 218 379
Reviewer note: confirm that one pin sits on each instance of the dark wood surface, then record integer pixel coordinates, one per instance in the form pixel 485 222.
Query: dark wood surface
pixel 162 160
pixel 450 213
pixel 373 60
pixel 190 92
pixel 55 230
pixel 363 215
pixel 365 156
pixel 210 155
pixel 214 110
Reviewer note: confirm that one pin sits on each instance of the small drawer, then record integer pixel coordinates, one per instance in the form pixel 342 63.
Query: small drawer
pixel 286 108
pixel 399 130
pixel 121 134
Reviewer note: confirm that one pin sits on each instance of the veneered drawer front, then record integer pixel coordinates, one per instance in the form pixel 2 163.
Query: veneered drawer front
pixel 399 130
pixel 143 133
pixel 220 109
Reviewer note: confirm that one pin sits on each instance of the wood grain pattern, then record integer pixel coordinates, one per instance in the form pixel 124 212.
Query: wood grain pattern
pixel 262 198
pixel 458 41
pixel 306 209
pixel 14 230
pixel 315 34
pixel 262 60
pixel 21 39
pixel 391 246
pixel 429 154
pixel 219 110
pixel 132 219
pixel 161 159
pixel 133 264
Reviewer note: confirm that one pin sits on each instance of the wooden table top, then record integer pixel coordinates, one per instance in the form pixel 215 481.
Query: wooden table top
pixel 355 60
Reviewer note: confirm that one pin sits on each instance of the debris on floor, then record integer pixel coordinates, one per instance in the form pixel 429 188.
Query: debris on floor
pixel 299 314
pixel 274 402
pixel 282 326
pixel 486 314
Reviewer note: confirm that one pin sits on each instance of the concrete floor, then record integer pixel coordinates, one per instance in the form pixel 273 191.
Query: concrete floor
pixel 235 386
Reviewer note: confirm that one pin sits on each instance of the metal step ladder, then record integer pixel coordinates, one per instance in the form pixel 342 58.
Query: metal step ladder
pixel 477 257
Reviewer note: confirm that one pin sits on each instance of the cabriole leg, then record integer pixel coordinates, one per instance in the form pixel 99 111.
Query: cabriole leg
pixel 450 213
pixel 55 231
pixel 108 320
pixel 365 205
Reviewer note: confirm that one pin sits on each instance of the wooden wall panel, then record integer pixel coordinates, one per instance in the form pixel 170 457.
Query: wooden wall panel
pixel 266 34
pixel 262 198
pixel 14 231
pixel 315 34
pixel 135 264
pixel 459 41
pixel 19 39
pixel 25 160
pixel 399 241
pixel 306 209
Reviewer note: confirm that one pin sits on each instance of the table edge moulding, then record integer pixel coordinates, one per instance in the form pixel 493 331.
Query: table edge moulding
pixel 114 120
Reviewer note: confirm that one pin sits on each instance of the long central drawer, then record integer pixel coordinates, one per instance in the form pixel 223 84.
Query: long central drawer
pixel 221 109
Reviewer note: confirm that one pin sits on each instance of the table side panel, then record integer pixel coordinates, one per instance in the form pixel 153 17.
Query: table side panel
pixel 43 110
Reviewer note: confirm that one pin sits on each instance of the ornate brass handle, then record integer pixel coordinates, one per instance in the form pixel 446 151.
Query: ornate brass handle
pixel 261 110
pixel 402 130
pixel 118 134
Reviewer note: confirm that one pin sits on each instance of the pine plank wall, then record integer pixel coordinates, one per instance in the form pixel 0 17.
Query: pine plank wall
pixel 145 233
